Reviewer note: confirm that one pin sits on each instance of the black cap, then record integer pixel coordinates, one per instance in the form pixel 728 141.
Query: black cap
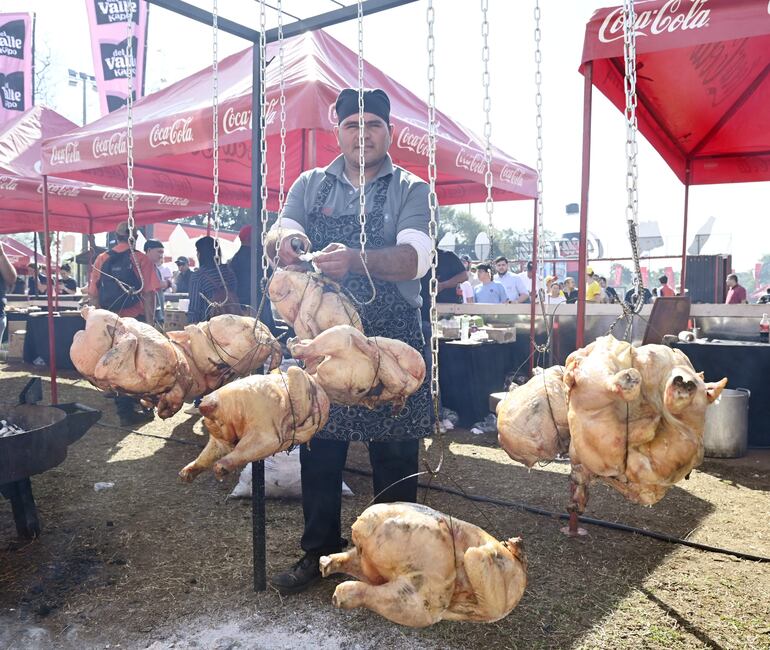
pixel 375 101
pixel 182 260
pixel 152 243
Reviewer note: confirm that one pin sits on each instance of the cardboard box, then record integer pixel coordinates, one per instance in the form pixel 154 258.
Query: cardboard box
pixel 501 334
pixel 175 320
pixel 15 326
pixel 16 345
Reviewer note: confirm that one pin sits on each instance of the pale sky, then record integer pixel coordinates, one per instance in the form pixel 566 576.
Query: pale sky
pixel 395 41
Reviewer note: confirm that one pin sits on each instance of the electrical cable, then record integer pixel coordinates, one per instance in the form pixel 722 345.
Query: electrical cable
pixel 663 537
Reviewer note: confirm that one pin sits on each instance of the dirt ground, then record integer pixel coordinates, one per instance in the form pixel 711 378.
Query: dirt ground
pixel 154 563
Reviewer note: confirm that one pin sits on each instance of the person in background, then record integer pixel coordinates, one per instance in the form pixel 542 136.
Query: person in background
pixel 631 295
pixel 450 273
pixel 135 270
pixel 610 294
pixel 183 275
pixel 67 284
pixel 526 278
pixel 154 250
pixel 7 279
pixel 19 286
pixel 466 260
pixel 664 290
pixel 516 290
pixel 240 265
pixel 570 292
pixel 554 295
pixel 736 294
pixel 488 291
pixel 36 282
pixel 206 285
pixel 764 299
pixel 593 288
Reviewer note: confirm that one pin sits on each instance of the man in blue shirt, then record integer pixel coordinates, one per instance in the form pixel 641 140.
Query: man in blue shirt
pixel 488 291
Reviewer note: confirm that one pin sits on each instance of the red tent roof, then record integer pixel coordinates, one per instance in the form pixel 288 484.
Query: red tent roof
pixel 703 85
pixel 73 206
pixel 19 254
pixel 173 132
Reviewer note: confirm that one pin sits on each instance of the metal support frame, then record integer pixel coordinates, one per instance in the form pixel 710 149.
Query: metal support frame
pixel 533 295
pixel 49 295
pixel 293 29
pixel 585 182
pixel 683 276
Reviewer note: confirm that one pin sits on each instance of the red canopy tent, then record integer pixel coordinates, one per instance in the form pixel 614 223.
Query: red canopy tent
pixel 703 88
pixel 173 132
pixel 20 255
pixel 73 206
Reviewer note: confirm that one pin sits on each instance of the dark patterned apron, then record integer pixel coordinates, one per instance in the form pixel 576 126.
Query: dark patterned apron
pixel 389 315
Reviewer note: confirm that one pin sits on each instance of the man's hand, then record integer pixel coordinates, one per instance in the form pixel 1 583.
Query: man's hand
pixel 337 260
pixel 286 254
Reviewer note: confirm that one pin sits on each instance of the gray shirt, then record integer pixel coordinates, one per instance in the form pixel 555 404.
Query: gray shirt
pixel 406 205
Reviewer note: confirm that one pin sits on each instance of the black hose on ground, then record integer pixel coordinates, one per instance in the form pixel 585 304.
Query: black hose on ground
pixel 663 537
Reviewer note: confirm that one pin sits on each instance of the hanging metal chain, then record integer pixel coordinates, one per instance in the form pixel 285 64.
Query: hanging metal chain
pixel 263 138
pixel 282 118
pixel 130 155
pixel 539 142
pixel 362 154
pixel 433 206
pixel 632 204
pixel 488 179
pixel 632 173
pixel 215 208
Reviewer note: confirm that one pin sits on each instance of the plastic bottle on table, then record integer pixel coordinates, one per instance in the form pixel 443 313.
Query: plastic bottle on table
pixel 764 329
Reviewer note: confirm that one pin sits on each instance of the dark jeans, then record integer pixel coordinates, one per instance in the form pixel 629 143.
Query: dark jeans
pixel 322 466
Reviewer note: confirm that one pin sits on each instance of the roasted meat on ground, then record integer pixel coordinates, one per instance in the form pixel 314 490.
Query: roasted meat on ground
pixel 354 369
pixel 311 303
pixel 255 417
pixel 416 566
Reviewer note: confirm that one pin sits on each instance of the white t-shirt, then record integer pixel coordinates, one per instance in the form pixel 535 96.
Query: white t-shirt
pixel 166 276
pixel 514 286
pixel 554 300
pixel 467 290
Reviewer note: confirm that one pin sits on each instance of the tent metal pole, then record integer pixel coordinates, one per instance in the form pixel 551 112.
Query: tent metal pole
pixel 49 294
pixel 257 467
pixel 533 294
pixel 586 174
pixel 683 277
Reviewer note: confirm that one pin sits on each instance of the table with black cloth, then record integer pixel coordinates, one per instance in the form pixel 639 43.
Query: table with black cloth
pixel 64 327
pixel 468 373
pixel 746 365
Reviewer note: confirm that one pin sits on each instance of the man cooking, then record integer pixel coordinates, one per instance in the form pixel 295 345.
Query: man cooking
pixel 322 211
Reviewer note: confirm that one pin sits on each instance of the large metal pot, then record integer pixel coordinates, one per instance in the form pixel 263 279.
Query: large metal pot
pixel 726 434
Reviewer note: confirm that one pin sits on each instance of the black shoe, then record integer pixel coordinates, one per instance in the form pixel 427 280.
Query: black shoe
pixel 299 577
pixel 134 418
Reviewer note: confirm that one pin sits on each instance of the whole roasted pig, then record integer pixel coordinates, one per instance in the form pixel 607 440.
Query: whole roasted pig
pixel 354 369
pixel 255 417
pixel 417 566
pixel 311 303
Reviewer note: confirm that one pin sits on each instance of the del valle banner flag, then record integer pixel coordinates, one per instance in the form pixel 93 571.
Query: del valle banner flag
pixel 108 20
pixel 15 65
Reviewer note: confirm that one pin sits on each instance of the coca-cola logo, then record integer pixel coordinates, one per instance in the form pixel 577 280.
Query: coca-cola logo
pixel 512 175
pixel 58 189
pixel 236 120
pixel 416 143
pixel 12 39
pixel 115 11
pixel 473 161
pixel 177 133
pixel 115 60
pixel 173 200
pixel 115 145
pixel 65 155
pixel 672 16
pixel 115 195
pixel 12 91
pixel 8 183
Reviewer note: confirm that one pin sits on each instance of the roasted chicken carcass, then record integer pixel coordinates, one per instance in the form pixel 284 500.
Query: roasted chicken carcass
pixel 354 369
pixel 311 303
pixel 532 419
pixel 258 416
pixel 416 566
pixel 636 418
pixel 132 358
